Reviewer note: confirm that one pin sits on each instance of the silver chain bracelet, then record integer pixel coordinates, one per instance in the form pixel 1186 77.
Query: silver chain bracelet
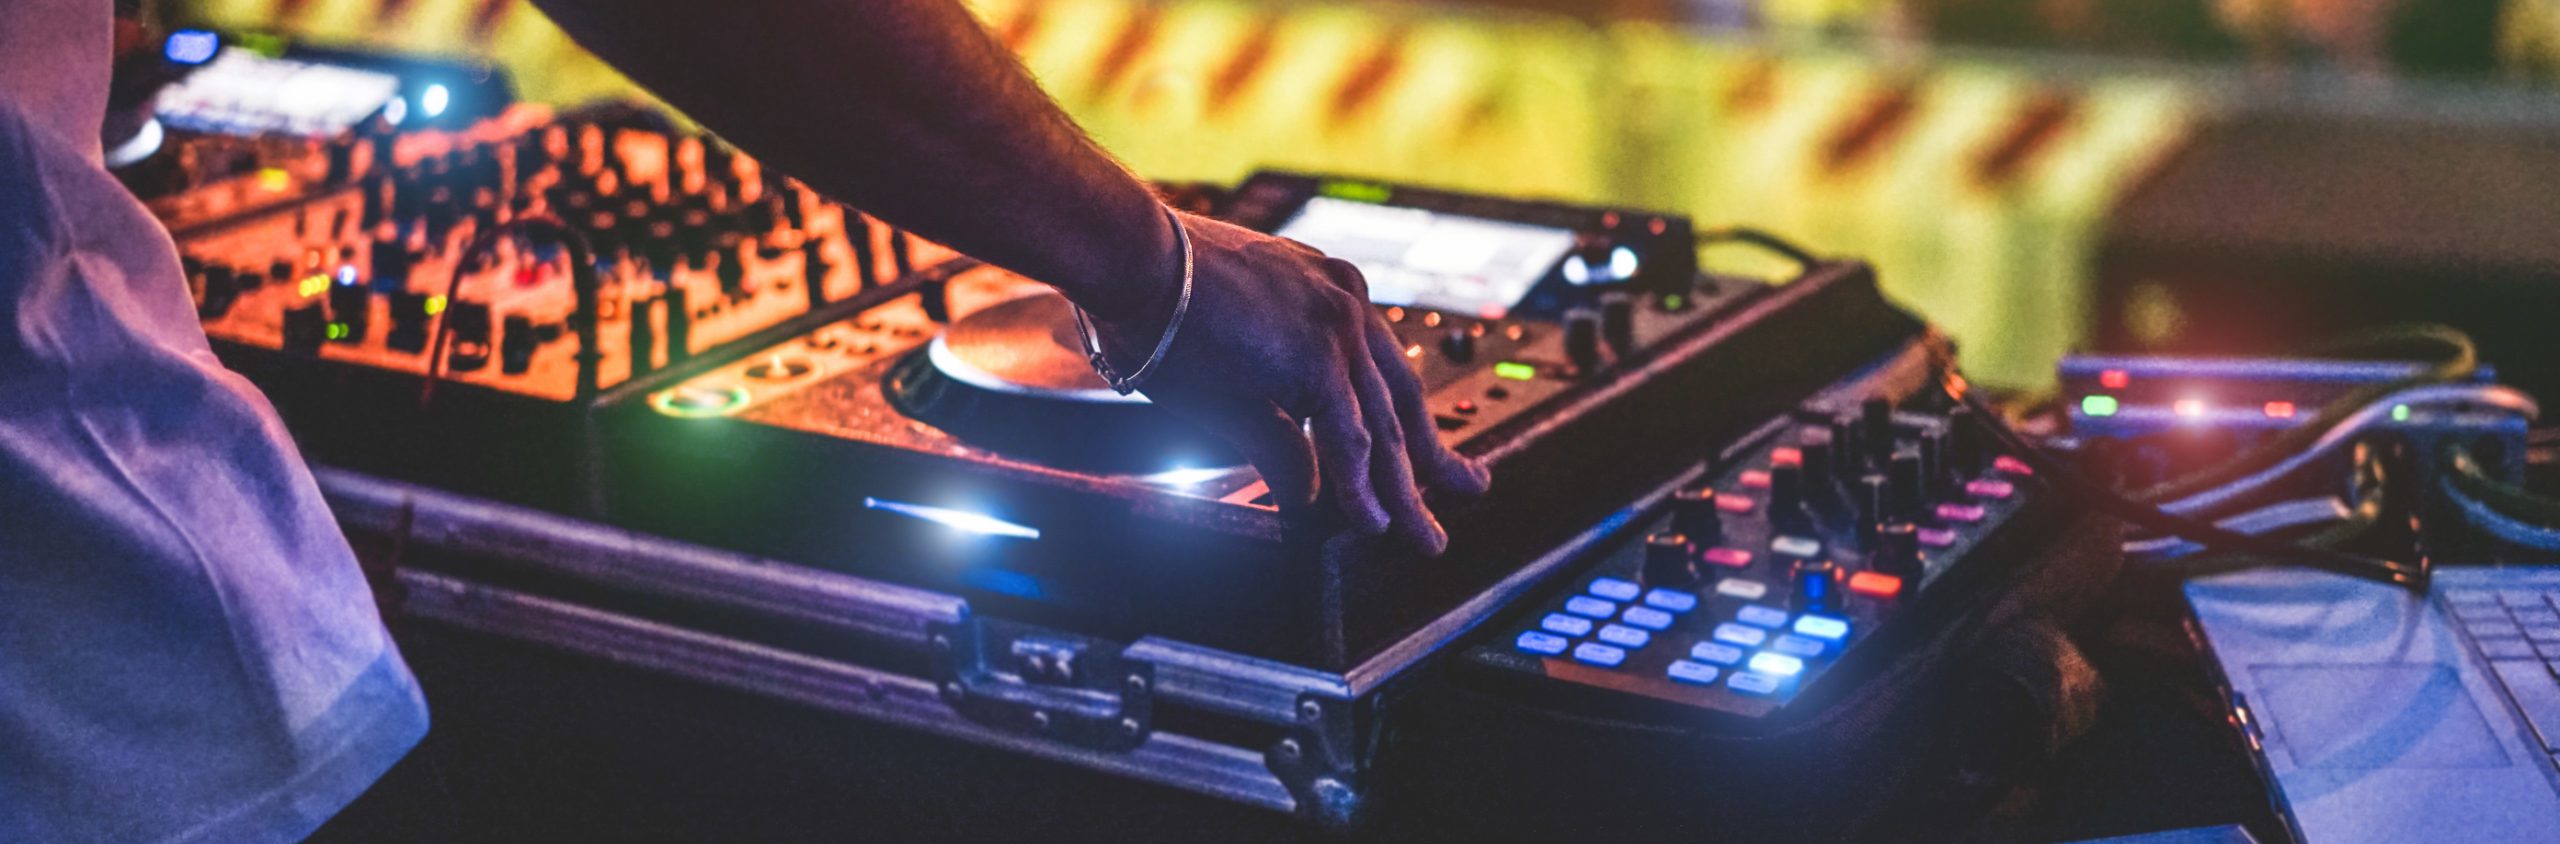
pixel 1182 305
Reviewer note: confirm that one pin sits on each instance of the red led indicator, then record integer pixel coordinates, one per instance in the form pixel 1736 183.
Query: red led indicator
pixel 2189 408
pixel 1786 456
pixel 2113 379
pixel 2279 410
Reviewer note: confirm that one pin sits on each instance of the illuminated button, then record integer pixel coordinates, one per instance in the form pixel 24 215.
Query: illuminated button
pixel 1758 615
pixel 1734 504
pixel 1671 599
pixel 1598 654
pixel 1823 627
pixel 1992 489
pixel 1795 546
pixel 1590 607
pixel 1786 456
pixel 1754 479
pixel 1796 646
pixel 1963 514
pixel 1727 557
pixel 1565 625
pixel 1776 664
pixel 1740 635
pixel 1465 407
pixel 1715 652
pixel 1541 643
pixel 1875 584
pixel 1647 618
pixel 1753 684
pixel 1937 537
pixel 1615 589
pixel 2008 465
pixel 1691 672
pixel 1748 590
pixel 1624 636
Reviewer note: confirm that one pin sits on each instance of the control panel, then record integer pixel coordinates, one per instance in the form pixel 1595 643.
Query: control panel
pixel 694 247
pixel 1753 584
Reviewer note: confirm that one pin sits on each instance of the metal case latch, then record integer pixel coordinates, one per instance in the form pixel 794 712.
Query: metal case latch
pixel 1060 686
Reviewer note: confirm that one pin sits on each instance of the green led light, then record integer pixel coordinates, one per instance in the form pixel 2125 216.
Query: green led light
pixel 2098 405
pixel 1674 302
pixel 691 402
pixel 434 306
pixel 1354 191
pixel 337 331
pixel 1515 370
pixel 2399 413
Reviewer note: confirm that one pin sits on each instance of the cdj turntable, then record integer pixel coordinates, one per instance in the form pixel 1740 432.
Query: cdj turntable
pixel 953 439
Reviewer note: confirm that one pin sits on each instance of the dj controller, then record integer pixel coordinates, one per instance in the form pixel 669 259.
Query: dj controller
pixel 1557 343
pixel 658 377
pixel 405 320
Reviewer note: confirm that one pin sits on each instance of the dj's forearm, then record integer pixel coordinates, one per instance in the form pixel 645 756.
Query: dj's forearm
pixel 909 110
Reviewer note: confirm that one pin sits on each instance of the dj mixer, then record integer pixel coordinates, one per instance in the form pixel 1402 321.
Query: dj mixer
pixel 1840 526
pixel 406 320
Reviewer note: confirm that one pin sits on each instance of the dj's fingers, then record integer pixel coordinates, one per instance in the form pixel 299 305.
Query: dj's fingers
pixel 1343 447
pixel 1275 445
pixel 1389 467
pixel 1434 464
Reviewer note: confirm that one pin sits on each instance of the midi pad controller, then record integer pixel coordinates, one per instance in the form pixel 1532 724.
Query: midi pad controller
pixel 1755 583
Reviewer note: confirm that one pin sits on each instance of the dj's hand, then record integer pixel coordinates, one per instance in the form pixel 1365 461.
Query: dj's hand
pixel 1279 334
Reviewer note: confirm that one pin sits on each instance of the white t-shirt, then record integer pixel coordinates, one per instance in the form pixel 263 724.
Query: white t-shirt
pixel 187 649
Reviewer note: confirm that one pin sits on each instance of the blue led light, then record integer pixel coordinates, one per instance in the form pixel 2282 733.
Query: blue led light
pixel 346 275
pixel 960 520
pixel 1823 627
pixel 433 100
pixel 191 46
pixel 1185 476
pixel 1776 665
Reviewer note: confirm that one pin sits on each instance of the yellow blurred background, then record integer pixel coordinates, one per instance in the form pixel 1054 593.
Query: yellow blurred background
pixel 1976 186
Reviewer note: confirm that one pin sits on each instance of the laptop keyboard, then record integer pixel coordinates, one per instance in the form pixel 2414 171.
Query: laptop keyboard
pixel 2518 632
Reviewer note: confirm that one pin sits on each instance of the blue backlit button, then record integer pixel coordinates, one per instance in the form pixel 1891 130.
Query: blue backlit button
pixel 1795 546
pixel 1615 589
pixel 1647 618
pixel 1624 636
pixel 1741 634
pixel 1673 600
pixel 1748 590
pixel 1565 625
pixel 1776 664
pixel 1758 615
pixel 1541 643
pixel 1753 684
pixel 1715 652
pixel 1590 607
pixel 1797 646
pixel 1691 672
pixel 1599 654
pixel 1823 627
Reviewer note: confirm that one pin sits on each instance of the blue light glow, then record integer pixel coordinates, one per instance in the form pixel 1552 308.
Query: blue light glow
pixel 1776 665
pixel 1184 476
pixel 1822 627
pixel 960 520
pixel 432 102
pixel 346 275
pixel 191 46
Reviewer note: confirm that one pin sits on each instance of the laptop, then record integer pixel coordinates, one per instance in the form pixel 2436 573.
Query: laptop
pixel 2381 715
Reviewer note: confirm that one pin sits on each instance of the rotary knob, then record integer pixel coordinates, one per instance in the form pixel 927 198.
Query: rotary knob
pixel 1669 560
